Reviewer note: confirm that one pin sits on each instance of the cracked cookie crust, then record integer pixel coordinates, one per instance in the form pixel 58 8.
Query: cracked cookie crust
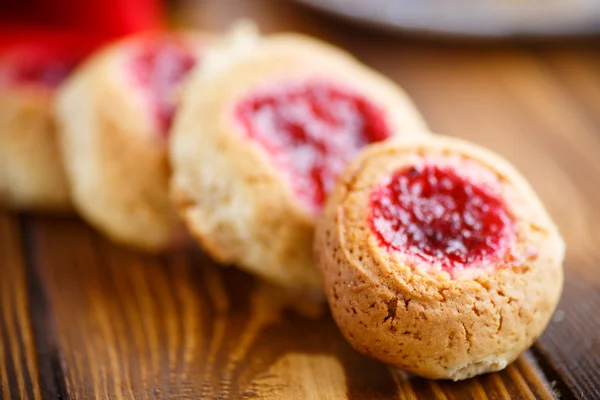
pixel 438 258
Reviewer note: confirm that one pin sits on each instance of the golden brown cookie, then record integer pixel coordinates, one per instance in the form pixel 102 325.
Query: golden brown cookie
pixel 438 258
pixel 31 173
pixel 263 132
pixel 115 115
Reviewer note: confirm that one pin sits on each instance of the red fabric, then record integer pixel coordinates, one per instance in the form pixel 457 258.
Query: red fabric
pixel 97 17
pixel 78 23
pixel 35 35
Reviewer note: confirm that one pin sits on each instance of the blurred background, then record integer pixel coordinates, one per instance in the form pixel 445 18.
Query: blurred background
pixel 457 18
pixel 521 77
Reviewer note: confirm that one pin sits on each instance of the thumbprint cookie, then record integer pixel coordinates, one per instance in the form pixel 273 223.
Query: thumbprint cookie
pixel 31 172
pixel 438 258
pixel 115 115
pixel 264 130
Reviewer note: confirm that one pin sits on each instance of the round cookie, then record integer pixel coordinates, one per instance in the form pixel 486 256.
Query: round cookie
pixel 31 172
pixel 438 258
pixel 115 115
pixel 264 130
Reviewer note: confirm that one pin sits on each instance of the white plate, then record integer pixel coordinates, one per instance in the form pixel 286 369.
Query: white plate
pixel 483 18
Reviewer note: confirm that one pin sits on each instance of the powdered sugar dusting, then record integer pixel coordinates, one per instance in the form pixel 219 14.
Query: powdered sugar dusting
pixel 159 66
pixel 439 216
pixel 311 130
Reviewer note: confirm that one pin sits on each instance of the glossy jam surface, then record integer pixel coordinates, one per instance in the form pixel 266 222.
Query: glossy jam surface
pixel 159 66
pixel 311 130
pixel 439 216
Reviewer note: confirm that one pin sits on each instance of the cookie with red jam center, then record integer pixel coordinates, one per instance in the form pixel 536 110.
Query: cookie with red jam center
pixel 438 258
pixel 434 214
pixel 116 113
pixel 39 65
pixel 158 66
pixel 310 130
pixel 263 134
pixel 31 172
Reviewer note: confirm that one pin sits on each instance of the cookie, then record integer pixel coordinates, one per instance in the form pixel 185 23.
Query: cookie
pixel 438 258
pixel 264 129
pixel 115 115
pixel 31 173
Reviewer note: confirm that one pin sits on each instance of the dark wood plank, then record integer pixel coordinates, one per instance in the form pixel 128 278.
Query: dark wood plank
pixel 576 67
pixel 18 357
pixel 507 100
pixel 82 318
pixel 131 326
pixel 539 108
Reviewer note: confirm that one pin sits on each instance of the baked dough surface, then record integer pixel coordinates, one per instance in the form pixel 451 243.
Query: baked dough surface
pixel 417 317
pixel 115 156
pixel 236 203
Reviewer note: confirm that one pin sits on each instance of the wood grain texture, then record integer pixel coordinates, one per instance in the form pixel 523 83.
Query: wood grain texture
pixel 27 369
pixel 82 318
pixel 19 373
pixel 179 327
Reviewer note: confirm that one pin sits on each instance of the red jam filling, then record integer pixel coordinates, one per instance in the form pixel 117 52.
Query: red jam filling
pixel 159 67
pixel 434 214
pixel 41 65
pixel 311 130
pixel 50 73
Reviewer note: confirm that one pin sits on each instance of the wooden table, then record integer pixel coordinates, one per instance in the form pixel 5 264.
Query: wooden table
pixel 84 319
